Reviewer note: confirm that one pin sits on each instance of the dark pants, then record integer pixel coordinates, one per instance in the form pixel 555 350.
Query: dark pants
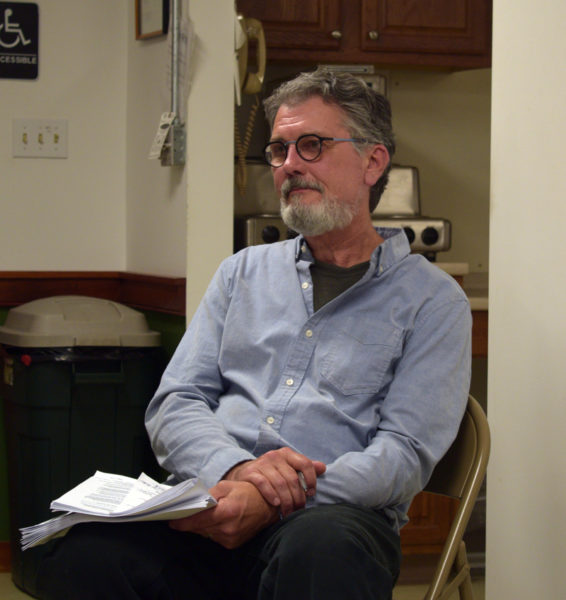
pixel 323 553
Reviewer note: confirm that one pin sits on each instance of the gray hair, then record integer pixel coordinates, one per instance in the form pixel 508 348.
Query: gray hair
pixel 367 112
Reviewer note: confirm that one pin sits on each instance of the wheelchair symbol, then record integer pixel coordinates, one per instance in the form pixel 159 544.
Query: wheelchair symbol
pixel 11 28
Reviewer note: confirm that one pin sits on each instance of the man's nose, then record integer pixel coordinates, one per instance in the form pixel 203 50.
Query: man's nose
pixel 293 162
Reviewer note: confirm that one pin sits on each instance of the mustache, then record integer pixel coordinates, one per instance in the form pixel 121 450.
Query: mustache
pixel 294 183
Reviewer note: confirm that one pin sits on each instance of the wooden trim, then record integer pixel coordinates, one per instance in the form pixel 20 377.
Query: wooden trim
pixel 18 287
pixel 147 292
pixel 5 557
pixel 479 327
pixel 479 332
pixel 150 292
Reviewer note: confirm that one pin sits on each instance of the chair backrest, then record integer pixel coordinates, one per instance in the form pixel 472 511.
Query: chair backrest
pixel 460 475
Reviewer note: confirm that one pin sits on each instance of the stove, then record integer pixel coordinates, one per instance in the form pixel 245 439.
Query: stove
pixel 426 236
pixel 399 207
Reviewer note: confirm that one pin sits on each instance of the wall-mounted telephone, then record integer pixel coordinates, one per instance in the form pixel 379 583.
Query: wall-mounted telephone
pixel 249 82
pixel 252 29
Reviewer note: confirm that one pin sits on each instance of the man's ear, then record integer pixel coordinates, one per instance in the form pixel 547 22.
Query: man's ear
pixel 377 161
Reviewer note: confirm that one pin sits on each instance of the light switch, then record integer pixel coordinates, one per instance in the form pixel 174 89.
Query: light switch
pixel 39 138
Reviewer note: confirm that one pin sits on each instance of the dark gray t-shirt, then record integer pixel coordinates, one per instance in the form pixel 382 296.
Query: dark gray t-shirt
pixel 329 280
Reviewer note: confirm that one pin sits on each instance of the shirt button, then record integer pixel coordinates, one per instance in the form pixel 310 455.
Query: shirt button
pixel 289 381
pixel 305 285
pixel 270 420
pixel 308 333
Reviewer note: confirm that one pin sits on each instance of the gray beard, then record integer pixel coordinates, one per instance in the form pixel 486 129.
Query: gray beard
pixel 313 219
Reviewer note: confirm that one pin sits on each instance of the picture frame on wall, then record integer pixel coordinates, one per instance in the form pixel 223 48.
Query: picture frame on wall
pixel 152 18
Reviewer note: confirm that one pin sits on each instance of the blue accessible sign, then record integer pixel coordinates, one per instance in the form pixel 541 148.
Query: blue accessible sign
pixel 19 40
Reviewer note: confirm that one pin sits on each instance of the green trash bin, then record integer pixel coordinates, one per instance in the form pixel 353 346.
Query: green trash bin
pixel 78 373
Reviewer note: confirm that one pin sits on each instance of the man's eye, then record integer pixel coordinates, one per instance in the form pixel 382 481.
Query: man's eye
pixel 310 145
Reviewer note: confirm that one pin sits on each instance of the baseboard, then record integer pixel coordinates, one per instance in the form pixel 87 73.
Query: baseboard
pixel 147 292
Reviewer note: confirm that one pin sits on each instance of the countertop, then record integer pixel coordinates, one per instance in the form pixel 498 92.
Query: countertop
pixel 475 284
pixel 460 269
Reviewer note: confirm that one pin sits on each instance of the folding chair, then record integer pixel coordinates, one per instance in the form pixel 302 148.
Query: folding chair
pixel 460 475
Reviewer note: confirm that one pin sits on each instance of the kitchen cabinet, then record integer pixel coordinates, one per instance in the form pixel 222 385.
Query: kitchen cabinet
pixel 452 34
pixel 430 517
pixel 299 26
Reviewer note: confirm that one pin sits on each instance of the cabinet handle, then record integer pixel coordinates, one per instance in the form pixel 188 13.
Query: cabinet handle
pixel 373 35
pixel 336 34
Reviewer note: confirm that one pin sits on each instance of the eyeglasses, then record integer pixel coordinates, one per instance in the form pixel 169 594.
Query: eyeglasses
pixel 309 148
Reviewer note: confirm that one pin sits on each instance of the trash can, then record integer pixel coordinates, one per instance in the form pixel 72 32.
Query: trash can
pixel 78 373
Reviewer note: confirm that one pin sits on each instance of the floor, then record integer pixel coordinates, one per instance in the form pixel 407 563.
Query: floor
pixel 417 592
pixel 8 591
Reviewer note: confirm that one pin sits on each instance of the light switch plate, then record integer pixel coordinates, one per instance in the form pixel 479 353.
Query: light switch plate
pixel 39 138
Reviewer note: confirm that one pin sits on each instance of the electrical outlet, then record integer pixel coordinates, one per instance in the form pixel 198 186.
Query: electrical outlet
pixel 39 138
pixel 377 81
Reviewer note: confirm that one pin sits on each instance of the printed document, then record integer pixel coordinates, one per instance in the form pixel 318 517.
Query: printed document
pixel 117 498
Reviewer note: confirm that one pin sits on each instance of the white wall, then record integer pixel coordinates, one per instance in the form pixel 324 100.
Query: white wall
pixel 65 214
pixel 107 206
pixel 526 531
pixel 210 148
pixel 156 195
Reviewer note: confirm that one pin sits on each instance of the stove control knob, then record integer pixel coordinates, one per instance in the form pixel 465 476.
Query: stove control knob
pixel 409 232
pixel 270 234
pixel 429 236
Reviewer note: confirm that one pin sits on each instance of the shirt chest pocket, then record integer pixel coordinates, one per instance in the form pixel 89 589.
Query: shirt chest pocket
pixel 359 355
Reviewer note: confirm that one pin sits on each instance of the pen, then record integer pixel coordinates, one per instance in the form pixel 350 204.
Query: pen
pixel 302 481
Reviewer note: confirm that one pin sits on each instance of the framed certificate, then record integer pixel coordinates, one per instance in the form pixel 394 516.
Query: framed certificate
pixel 152 18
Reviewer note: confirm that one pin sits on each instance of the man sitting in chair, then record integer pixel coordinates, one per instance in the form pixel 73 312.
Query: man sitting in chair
pixel 317 386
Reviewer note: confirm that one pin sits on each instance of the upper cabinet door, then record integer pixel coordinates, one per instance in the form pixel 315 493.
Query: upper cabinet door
pixel 426 26
pixel 437 33
pixel 303 25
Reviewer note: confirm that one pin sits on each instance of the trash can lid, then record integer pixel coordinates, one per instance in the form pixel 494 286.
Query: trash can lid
pixel 63 321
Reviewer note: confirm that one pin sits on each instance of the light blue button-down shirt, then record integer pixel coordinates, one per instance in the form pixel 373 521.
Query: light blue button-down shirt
pixel 374 383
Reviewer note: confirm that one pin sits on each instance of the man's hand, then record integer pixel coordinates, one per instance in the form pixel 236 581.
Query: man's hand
pixel 241 512
pixel 276 475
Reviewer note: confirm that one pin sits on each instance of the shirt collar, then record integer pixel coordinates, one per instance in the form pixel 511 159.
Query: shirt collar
pixel 394 248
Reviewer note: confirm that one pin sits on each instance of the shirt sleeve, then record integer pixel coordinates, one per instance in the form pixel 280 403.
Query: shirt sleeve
pixel 419 418
pixel 187 438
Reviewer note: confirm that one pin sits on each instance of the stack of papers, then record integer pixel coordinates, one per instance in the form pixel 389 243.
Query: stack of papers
pixel 117 498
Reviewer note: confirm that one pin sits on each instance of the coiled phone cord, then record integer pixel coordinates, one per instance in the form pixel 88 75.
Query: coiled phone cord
pixel 242 148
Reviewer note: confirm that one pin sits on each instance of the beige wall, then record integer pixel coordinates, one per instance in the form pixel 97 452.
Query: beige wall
pixel 107 206
pixel 526 488
pixel 210 148
pixel 65 214
pixel 442 124
pixel 156 195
